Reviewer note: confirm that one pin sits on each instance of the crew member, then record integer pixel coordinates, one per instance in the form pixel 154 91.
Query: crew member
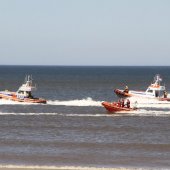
pixel 165 94
pixel 119 103
pixel 123 103
pixel 126 90
pixel 128 103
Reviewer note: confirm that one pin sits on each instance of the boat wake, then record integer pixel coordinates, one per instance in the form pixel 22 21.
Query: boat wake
pixel 146 107
pixel 138 112
pixel 149 103
pixel 90 102
pixel 142 112
pixel 83 102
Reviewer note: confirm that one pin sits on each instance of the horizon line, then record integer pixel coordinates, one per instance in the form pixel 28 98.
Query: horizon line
pixel 85 65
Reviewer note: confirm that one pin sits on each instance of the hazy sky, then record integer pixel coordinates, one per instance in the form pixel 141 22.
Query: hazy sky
pixel 85 32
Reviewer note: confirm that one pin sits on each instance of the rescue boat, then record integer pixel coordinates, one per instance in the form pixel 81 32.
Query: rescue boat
pixel 23 94
pixel 154 90
pixel 116 107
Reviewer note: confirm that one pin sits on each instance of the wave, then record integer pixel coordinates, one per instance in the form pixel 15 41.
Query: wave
pixel 58 114
pixel 83 102
pixel 144 112
pixel 60 167
pixel 139 112
pixel 149 103
pixel 141 102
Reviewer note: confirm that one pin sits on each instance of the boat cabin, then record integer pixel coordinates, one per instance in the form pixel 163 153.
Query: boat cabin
pixel 25 90
pixel 155 89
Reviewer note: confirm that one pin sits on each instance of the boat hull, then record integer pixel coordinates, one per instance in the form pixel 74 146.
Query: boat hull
pixel 164 99
pixel 13 97
pixel 121 93
pixel 140 94
pixel 113 107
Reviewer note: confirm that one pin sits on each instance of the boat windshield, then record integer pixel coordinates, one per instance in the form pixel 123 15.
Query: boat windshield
pixel 21 92
pixel 25 93
pixel 150 91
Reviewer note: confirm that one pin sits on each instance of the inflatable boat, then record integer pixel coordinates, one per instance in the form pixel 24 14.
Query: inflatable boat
pixel 116 107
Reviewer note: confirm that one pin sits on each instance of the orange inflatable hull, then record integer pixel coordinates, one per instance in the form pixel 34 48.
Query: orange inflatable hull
pixel 114 107
pixel 121 93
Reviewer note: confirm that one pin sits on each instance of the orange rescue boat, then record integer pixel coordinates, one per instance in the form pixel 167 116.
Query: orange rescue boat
pixel 117 107
pixel 23 94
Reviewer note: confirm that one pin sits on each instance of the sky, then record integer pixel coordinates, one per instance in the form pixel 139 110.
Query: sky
pixel 85 32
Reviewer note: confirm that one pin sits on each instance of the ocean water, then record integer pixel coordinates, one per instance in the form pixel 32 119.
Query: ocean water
pixel 73 129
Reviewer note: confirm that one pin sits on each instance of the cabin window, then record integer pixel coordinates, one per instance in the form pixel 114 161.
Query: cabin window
pixel 21 92
pixel 150 91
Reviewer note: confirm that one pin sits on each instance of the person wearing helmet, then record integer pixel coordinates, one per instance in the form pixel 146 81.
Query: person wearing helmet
pixel 165 94
pixel 126 90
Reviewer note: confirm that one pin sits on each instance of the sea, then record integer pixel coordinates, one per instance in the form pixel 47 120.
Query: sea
pixel 74 129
